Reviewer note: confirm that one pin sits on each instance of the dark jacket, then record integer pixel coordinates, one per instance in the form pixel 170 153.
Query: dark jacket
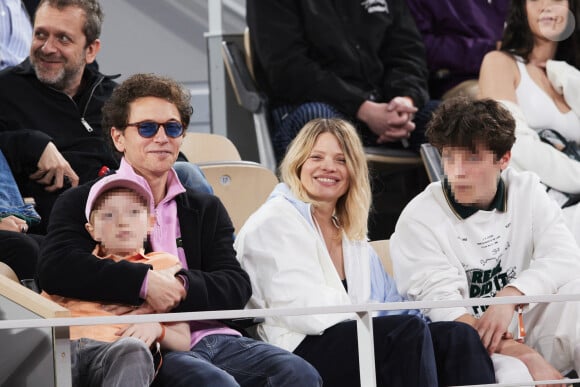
pixel 32 114
pixel 216 280
pixel 338 52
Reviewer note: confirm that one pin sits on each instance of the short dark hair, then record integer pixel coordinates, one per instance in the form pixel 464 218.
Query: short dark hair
pixel 116 109
pixel 518 39
pixel 93 15
pixel 464 123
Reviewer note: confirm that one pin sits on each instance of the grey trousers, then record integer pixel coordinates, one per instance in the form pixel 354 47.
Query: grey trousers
pixel 124 363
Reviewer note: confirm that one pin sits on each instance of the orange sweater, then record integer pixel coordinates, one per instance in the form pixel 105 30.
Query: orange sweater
pixel 80 308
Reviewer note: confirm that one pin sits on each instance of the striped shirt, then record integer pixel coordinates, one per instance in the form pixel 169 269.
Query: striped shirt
pixel 15 32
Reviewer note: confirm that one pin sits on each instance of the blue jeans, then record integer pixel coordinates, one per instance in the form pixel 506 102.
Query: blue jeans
pixel 223 361
pixel 191 176
pixel 124 363
pixel 11 202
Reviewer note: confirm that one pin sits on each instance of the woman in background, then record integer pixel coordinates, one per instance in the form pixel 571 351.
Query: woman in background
pixel 535 76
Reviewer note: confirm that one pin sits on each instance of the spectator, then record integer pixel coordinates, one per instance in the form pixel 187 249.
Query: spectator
pixel 457 34
pixel 118 214
pixel 147 115
pixel 540 50
pixel 50 106
pixel 363 61
pixel 15 32
pixel 19 249
pixel 489 231
pixel 306 246
pixel 31 5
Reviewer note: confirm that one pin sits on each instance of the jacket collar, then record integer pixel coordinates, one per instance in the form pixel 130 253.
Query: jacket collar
pixel 303 208
pixel 174 186
pixel 90 75
pixel 499 201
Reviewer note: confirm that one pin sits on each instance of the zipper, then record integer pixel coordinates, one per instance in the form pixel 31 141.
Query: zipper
pixel 86 125
pixel 93 88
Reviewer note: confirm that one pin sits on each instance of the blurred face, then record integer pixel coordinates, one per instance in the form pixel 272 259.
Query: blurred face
pixel 324 175
pixel 473 177
pixel 59 50
pixel 150 157
pixel 547 18
pixel 120 223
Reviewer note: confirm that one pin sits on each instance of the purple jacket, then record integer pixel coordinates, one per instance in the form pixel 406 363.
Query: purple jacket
pixel 458 33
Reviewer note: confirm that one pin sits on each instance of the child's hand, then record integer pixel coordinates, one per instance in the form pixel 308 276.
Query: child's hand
pixel 146 332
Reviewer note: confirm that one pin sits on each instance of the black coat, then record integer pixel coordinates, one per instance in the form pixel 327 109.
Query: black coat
pixel 33 114
pixel 338 52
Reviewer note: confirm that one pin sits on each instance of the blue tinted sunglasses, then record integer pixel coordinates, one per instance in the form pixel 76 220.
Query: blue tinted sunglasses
pixel 149 129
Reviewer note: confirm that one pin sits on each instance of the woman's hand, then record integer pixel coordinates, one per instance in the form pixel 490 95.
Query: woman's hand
pixel 13 223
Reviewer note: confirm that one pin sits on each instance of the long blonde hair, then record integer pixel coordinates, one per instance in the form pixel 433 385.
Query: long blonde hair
pixel 352 209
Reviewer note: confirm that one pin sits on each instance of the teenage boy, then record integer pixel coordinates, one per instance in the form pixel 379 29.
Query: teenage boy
pixel 119 219
pixel 488 231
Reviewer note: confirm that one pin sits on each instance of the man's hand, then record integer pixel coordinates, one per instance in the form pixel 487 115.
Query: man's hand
pixel 403 105
pixel 390 121
pixel 52 168
pixel 13 223
pixel 164 290
pixel 494 323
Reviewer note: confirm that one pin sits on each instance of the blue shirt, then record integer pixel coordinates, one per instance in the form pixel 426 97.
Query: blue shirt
pixel 15 33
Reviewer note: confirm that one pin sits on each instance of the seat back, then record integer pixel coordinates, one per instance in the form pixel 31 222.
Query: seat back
pixel 392 159
pixel 241 186
pixel 381 247
pixel 432 162
pixel 208 147
pixel 248 97
pixel 248 52
pixel 7 272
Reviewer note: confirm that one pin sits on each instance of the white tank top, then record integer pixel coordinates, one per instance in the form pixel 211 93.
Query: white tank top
pixel 540 110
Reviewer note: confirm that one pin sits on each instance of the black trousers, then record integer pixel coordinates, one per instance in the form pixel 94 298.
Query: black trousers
pixel 20 252
pixel 408 352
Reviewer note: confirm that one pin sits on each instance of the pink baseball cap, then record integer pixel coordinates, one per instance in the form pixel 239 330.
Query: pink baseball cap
pixel 115 181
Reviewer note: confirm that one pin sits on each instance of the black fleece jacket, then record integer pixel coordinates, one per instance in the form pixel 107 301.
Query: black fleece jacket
pixel 32 114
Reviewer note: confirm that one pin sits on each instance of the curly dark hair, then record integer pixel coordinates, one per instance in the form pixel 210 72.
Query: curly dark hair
pixel 464 123
pixel 116 109
pixel 93 12
pixel 518 39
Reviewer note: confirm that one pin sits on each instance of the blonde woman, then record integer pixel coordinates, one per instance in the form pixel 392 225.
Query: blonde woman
pixel 307 246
